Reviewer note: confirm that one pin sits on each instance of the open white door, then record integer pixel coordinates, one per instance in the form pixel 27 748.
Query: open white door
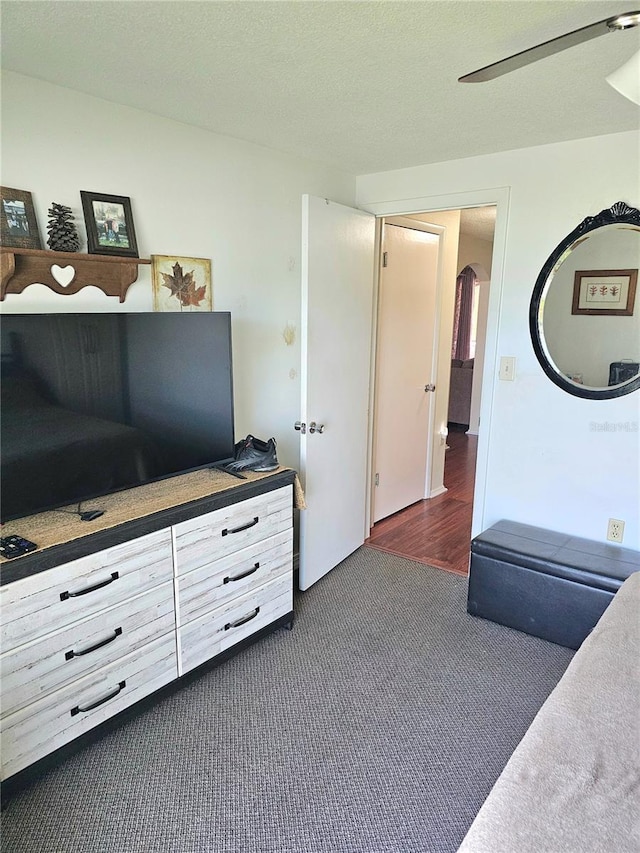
pixel 336 335
pixel 405 374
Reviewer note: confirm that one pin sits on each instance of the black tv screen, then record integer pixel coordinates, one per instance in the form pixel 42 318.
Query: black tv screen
pixel 95 403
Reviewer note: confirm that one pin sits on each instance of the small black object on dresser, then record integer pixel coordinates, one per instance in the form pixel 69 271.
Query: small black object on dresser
pixel 547 584
pixel 15 546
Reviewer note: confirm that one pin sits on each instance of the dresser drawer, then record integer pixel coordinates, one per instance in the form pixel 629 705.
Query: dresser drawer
pixel 51 599
pixel 210 586
pixel 201 540
pixel 38 729
pixel 35 669
pixel 203 638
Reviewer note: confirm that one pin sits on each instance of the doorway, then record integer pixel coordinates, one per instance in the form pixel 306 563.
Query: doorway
pixel 436 531
pixel 437 528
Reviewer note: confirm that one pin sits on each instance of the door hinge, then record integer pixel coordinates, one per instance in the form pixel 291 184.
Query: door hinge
pixel 385 259
pixel 377 480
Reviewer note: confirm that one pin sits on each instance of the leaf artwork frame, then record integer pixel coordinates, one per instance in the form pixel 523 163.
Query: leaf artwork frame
pixel 181 283
pixel 604 292
pixel 109 222
pixel 19 226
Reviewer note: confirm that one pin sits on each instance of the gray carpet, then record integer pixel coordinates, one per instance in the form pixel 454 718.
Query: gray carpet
pixel 379 724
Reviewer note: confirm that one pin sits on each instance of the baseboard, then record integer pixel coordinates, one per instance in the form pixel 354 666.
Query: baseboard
pixel 440 490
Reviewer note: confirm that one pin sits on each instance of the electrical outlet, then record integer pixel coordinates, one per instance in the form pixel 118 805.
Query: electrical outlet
pixel 615 530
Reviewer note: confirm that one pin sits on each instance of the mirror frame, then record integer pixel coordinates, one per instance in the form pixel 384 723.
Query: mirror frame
pixel 618 214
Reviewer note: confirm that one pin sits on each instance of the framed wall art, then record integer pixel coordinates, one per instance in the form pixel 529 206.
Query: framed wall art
pixel 109 222
pixel 181 284
pixel 19 226
pixel 604 292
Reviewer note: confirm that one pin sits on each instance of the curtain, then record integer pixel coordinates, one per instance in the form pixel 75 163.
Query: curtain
pixel 465 284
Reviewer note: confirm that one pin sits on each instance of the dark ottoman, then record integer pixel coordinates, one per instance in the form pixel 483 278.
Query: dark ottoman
pixel 544 583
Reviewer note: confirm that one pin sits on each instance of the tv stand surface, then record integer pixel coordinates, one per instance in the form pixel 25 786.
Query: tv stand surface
pixel 133 512
pixel 98 624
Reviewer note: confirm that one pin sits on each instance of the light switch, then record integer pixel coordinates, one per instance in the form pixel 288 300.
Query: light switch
pixel 507 368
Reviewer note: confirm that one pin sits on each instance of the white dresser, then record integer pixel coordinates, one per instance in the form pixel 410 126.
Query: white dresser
pixel 228 593
pixel 86 639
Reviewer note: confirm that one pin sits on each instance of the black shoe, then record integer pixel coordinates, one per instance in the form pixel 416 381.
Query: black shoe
pixel 251 454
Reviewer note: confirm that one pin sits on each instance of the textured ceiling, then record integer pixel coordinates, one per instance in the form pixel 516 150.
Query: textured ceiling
pixel 363 86
pixel 478 222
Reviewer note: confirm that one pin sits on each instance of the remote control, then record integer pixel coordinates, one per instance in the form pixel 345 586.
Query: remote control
pixel 15 546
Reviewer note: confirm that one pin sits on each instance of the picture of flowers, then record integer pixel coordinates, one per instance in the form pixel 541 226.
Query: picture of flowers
pixel 181 284
pixel 602 292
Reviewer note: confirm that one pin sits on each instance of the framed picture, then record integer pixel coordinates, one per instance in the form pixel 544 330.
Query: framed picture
pixel 19 224
pixel 604 292
pixel 181 284
pixel 109 224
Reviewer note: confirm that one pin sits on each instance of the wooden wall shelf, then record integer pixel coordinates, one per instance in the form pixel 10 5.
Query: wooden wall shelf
pixel 66 272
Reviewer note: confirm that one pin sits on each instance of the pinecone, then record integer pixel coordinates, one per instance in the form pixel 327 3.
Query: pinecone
pixel 63 236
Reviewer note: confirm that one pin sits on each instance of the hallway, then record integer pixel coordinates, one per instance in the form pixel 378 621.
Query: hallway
pixel 437 531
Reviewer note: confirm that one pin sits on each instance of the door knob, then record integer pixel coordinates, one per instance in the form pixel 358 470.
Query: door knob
pixel 300 427
pixel 314 427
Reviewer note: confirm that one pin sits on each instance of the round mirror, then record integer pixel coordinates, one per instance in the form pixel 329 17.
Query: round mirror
pixel 583 319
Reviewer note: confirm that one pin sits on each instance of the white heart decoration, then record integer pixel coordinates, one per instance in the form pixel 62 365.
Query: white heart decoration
pixel 63 275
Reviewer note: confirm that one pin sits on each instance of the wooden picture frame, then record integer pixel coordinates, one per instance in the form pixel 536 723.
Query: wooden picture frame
pixel 181 284
pixel 605 293
pixel 109 223
pixel 19 226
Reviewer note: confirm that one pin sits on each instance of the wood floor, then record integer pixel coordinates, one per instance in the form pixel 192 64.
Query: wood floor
pixel 437 531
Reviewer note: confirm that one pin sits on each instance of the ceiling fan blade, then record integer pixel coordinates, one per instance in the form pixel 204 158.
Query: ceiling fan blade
pixel 548 48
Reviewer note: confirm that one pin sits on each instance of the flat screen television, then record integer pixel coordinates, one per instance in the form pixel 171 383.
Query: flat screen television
pixel 96 403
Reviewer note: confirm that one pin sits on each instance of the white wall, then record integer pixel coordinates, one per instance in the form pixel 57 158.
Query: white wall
pixel 193 193
pixel 474 250
pixel 553 460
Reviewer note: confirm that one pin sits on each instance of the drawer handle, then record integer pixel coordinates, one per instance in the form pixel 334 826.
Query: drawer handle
pixel 244 619
pixel 74 654
pixel 243 575
pixel 112 695
pixel 249 524
pixel 65 595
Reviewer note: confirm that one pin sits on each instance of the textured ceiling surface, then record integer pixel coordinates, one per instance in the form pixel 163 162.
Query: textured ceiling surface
pixel 363 86
pixel 478 222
